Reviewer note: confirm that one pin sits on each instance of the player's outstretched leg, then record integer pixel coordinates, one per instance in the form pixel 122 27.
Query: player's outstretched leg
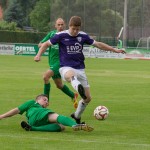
pixel 78 87
pixel 78 120
pixel 81 91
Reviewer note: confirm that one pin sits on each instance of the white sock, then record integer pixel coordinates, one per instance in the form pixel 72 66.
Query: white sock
pixel 80 109
pixel 75 83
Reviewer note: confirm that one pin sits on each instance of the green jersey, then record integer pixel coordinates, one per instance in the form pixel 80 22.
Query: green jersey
pixel 35 113
pixel 54 62
pixel 53 50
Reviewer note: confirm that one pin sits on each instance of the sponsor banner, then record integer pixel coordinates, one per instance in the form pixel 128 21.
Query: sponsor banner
pixel 6 49
pixel 27 49
pixel 93 52
pixel 88 51
pixel 20 49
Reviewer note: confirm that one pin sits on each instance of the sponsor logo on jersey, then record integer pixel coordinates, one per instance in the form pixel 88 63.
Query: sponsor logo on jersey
pixel 73 49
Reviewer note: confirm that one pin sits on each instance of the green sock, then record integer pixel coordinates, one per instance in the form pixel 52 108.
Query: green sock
pixel 47 88
pixel 53 127
pixel 67 91
pixel 66 121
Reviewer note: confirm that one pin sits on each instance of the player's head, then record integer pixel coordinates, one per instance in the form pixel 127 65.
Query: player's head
pixel 42 99
pixel 74 25
pixel 60 24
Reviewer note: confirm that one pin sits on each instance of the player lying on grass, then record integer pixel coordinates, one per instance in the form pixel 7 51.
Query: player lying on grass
pixel 42 119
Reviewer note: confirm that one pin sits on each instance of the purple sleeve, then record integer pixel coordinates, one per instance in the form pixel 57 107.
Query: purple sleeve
pixel 55 39
pixel 89 40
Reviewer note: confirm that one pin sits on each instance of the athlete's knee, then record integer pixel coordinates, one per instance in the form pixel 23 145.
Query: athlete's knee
pixel 69 75
pixel 46 77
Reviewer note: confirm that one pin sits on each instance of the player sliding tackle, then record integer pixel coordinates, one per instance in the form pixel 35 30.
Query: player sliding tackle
pixel 72 65
pixel 40 118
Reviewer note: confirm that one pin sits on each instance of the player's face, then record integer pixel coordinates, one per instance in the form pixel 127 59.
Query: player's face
pixel 60 25
pixel 74 30
pixel 43 101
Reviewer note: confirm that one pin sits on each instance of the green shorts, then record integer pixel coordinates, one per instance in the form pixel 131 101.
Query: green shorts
pixel 55 68
pixel 45 125
pixel 39 118
pixel 43 121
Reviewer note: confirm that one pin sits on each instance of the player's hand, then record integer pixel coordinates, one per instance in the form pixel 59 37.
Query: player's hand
pixel 37 58
pixel 120 51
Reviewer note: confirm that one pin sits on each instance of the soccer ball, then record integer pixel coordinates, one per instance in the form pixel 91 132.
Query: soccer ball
pixel 101 112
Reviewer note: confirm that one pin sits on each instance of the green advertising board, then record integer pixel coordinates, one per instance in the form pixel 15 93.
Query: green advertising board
pixel 27 49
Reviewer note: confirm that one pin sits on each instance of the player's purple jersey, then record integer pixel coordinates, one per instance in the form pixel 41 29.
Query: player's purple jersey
pixel 70 48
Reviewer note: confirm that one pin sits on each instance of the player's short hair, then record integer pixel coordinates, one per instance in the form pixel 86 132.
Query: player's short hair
pixel 59 19
pixel 75 21
pixel 41 95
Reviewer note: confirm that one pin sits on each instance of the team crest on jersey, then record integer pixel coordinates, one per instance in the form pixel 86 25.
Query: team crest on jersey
pixel 79 39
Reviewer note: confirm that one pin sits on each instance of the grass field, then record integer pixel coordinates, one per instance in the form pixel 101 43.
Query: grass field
pixel 121 85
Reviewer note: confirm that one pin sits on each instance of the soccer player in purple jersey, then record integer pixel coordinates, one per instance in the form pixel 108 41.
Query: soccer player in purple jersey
pixel 72 65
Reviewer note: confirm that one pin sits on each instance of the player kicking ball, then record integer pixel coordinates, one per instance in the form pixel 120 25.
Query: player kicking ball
pixel 72 66
pixel 40 118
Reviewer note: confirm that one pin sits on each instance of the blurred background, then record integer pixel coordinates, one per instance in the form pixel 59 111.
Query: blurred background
pixel 102 19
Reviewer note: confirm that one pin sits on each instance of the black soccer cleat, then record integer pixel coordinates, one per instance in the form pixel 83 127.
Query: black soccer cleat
pixel 78 120
pixel 81 91
pixel 25 126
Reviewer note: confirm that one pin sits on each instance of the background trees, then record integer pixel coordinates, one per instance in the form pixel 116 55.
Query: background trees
pixel 103 18
pixel 40 16
pixel 14 13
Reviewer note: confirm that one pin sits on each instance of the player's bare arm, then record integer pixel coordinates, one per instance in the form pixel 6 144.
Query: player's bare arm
pixel 40 44
pixel 42 49
pixel 10 113
pixel 106 47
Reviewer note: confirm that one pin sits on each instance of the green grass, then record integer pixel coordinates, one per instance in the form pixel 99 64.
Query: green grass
pixel 121 85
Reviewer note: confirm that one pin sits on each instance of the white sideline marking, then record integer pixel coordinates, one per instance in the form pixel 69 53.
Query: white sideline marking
pixel 84 141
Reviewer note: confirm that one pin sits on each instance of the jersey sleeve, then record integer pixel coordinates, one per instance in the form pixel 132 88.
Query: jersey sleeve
pixel 48 36
pixel 54 40
pixel 89 40
pixel 25 106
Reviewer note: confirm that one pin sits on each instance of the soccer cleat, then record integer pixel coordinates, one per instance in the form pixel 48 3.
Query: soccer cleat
pixel 83 127
pixel 81 91
pixel 78 120
pixel 25 126
pixel 75 101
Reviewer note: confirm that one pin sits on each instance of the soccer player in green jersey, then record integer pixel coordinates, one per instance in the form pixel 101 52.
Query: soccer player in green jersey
pixel 42 119
pixel 53 71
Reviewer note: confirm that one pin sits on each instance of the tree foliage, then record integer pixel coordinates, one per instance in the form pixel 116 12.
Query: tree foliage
pixel 8 26
pixel 14 13
pixel 40 16
pixel 101 17
pixel 3 3
pixel 18 11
